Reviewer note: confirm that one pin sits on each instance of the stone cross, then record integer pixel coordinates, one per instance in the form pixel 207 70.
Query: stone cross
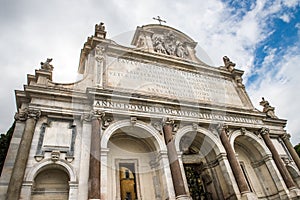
pixel 159 20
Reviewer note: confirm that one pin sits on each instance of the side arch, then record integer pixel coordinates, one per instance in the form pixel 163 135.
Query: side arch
pixel 211 138
pixel 255 140
pixel 48 163
pixel 125 123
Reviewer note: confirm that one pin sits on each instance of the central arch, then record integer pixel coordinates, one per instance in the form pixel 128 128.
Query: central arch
pixel 134 161
pixel 204 161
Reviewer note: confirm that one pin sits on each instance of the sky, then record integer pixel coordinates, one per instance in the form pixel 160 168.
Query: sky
pixel 260 36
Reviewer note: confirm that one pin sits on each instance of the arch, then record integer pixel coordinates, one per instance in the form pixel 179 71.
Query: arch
pixel 124 123
pixel 212 139
pixel 255 141
pixel 48 163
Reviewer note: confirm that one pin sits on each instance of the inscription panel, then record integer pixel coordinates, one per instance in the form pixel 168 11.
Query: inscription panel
pixel 159 80
pixel 160 112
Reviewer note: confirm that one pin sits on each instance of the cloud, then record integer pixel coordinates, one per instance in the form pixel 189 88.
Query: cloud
pixel 282 89
pixel 286 18
pixel 31 31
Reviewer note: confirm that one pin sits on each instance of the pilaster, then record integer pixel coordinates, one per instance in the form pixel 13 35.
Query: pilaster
pixel 16 180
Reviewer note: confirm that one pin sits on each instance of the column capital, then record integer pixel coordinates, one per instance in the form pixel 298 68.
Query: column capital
pixel 264 131
pixel 285 136
pixel 167 121
pixel 93 114
pixel 27 113
pixel 222 127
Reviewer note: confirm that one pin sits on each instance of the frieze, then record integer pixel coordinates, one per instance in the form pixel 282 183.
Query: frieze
pixel 160 111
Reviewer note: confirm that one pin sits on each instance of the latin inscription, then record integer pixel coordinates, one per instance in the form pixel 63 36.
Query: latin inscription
pixel 169 82
pixel 163 111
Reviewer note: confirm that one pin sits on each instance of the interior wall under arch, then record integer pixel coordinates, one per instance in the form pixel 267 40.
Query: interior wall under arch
pixel 51 184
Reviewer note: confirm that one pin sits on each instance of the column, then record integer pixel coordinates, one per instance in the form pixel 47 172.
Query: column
pixel 178 183
pixel 16 180
pixel 233 162
pixel 278 161
pixel 94 172
pixel 286 140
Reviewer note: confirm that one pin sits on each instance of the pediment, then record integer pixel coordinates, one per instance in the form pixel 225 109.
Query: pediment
pixel 165 40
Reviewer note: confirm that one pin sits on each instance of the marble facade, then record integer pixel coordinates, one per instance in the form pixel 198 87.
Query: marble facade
pixel 148 122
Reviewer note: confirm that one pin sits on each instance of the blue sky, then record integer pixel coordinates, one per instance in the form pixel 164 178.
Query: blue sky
pixel 260 36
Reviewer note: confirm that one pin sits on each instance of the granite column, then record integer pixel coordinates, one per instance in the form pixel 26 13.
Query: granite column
pixel 15 184
pixel 94 171
pixel 177 178
pixel 286 140
pixel 233 162
pixel 278 161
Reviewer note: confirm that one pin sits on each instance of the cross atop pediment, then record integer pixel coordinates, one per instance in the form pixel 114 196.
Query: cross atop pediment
pixel 159 20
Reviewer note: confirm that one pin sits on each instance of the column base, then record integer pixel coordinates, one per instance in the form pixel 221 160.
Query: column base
pixel 294 193
pixel 248 196
pixel 183 197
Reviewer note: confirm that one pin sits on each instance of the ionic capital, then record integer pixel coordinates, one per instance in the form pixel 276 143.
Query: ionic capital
pixel 264 131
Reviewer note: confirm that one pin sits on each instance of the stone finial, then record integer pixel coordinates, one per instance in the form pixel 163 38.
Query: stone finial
pixel 269 110
pixel 100 30
pixel 46 65
pixel 228 64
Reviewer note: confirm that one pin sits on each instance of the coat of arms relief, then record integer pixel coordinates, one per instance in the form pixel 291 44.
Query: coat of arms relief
pixel 168 44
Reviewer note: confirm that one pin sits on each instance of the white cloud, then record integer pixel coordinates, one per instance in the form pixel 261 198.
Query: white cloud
pixel 286 18
pixel 31 32
pixel 282 90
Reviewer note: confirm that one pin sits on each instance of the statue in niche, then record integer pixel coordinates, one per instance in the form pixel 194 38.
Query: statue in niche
pixel 46 65
pixel 269 110
pixel 228 64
